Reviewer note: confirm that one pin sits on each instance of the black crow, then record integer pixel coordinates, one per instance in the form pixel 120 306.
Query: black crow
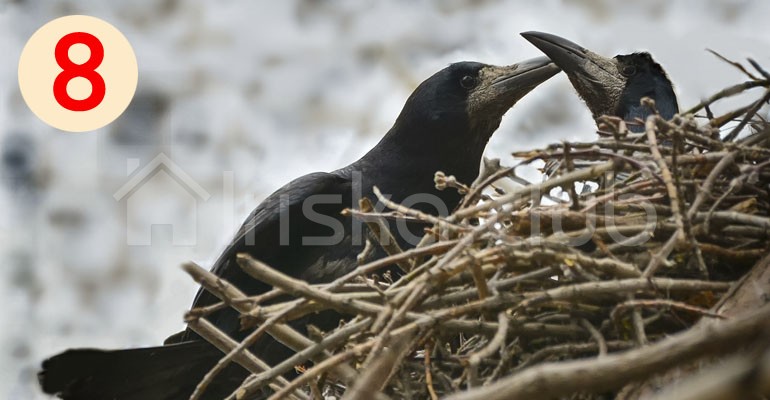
pixel 444 125
pixel 611 86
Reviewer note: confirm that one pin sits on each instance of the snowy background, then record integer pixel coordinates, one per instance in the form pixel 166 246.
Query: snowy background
pixel 246 95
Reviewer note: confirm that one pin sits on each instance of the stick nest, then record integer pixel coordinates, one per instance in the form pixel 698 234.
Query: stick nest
pixel 574 287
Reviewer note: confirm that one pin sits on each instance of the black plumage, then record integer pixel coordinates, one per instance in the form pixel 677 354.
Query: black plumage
pixel 611 86
pixel 299 230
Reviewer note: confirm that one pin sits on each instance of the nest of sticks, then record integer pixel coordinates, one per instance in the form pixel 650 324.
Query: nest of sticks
pixel 524 294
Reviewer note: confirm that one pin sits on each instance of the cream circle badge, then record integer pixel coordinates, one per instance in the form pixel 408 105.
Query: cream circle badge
pixel 77 73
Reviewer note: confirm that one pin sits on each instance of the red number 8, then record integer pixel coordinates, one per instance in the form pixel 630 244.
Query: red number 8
pixel 86 70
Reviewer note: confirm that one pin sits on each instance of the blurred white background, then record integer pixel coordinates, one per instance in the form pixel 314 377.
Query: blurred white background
pixel 269 91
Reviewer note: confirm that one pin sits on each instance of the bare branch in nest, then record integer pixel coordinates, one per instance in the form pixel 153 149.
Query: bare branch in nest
pixel 727 92
pixel 747 117
pixel 745 376
pixel 379 229
pixel 610 372
pixel 734 64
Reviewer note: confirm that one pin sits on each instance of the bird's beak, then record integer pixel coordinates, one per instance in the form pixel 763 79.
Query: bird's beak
pixel 592 75
pixel 519 79
pixel 501 87
pixel 573 58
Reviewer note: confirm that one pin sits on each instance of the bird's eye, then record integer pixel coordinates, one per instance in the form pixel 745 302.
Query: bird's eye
pixel 628 70
pixel 468 82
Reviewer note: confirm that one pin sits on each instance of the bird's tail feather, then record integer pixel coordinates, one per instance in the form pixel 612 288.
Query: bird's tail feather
pixel 162 373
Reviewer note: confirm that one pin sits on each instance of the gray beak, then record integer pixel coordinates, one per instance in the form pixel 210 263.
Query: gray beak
pixel 524 76
pixel 596 78
pixel 574 59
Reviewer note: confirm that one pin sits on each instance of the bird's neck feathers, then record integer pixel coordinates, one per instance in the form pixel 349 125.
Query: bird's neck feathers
pixel 412 156
pixel 661 91
pixel 433 132
pixel 436 130
pixel 453 149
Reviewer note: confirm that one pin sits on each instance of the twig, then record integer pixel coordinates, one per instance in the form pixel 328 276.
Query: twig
pixel 428 374
pixel 746 118
pixel 734 64
pixel 607 373
pixel 332 340
pixel 494 345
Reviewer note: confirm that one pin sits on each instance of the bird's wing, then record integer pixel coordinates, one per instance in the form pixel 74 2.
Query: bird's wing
pixel 265 219
pixel 273 233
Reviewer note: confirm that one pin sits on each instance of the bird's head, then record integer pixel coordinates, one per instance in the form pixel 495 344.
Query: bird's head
pixel 610 86
pixel 465 101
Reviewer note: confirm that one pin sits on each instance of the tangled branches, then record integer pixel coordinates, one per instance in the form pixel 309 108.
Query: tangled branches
pixel 532 293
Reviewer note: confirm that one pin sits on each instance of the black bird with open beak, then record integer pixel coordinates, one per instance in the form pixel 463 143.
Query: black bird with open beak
pixel 611 86
pixel 444 125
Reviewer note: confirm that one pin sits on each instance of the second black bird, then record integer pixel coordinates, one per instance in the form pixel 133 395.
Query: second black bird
pixel 611 86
